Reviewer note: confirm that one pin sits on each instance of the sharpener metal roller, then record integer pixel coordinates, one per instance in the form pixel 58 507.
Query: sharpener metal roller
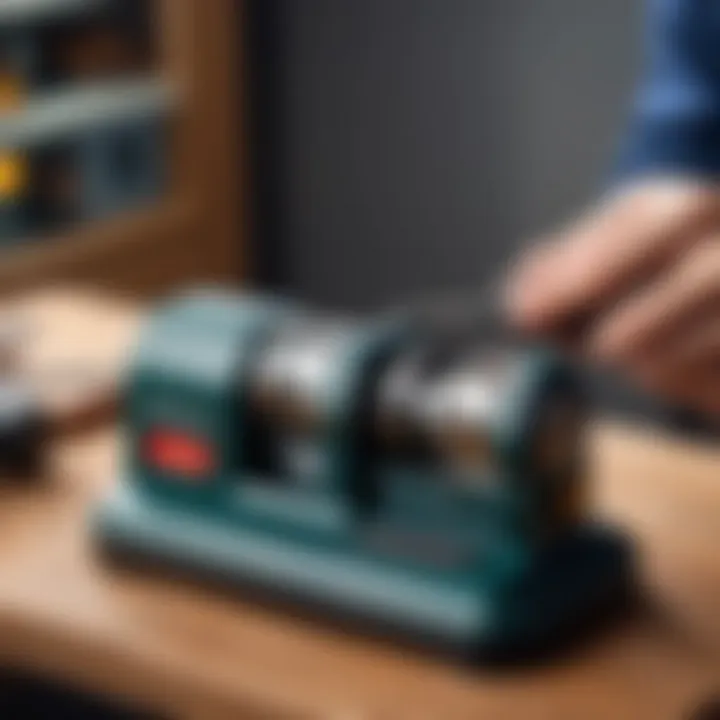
pixel 456 407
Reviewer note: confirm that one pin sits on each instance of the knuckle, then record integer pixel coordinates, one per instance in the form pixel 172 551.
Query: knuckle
pixel 684 202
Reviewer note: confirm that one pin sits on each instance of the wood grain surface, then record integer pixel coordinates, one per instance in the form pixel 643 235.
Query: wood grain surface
pixel 196 653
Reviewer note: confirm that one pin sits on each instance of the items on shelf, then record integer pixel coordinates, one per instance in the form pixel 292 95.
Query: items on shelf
pixel 17 56
pixel 81 126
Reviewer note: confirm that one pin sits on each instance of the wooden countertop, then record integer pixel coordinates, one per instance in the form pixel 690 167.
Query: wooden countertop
pixel 195 653
pixel 203 655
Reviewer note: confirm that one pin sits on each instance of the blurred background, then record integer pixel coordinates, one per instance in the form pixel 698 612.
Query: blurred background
pixel 409 145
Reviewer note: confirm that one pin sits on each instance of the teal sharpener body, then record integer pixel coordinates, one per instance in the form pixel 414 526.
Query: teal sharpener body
pixel 365 469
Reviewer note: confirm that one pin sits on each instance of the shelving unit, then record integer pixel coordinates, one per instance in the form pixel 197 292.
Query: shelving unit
pixel 194 232
pixel 68 112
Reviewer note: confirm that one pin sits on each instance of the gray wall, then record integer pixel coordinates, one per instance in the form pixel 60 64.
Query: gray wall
pixel 410 145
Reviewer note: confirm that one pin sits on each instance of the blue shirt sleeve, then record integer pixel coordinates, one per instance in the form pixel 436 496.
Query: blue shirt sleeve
pixel 675 126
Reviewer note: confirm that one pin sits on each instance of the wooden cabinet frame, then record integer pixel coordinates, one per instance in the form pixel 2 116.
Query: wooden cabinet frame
pixel 196 231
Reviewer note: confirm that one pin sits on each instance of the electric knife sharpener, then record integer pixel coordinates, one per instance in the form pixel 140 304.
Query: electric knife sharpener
pixel 364 468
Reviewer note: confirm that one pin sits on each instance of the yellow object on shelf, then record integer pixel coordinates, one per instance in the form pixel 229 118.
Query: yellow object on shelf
pixel 14 169
pixel 13 175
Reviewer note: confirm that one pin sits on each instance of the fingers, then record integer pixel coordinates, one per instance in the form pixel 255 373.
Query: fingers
pixel 696 387
pixel 640 278
pixel 594 263
pixel 687 366
pixel 694 348
pixel 654 320
pixel 667 336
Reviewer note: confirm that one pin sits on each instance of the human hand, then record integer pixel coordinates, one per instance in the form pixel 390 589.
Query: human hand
pixel 639 276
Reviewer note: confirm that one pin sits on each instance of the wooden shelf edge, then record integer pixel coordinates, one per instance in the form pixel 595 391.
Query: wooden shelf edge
pixel 95 249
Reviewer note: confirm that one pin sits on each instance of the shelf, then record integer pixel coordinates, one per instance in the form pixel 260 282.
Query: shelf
pixel 22 12
pixel 71 112
pixel 106 250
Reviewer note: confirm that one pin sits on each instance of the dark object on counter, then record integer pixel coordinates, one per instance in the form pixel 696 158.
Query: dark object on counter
pixel 27 697
pixel 23 432
pixel 708 710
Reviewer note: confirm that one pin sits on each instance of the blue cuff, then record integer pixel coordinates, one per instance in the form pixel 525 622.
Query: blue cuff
pixel 688 148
